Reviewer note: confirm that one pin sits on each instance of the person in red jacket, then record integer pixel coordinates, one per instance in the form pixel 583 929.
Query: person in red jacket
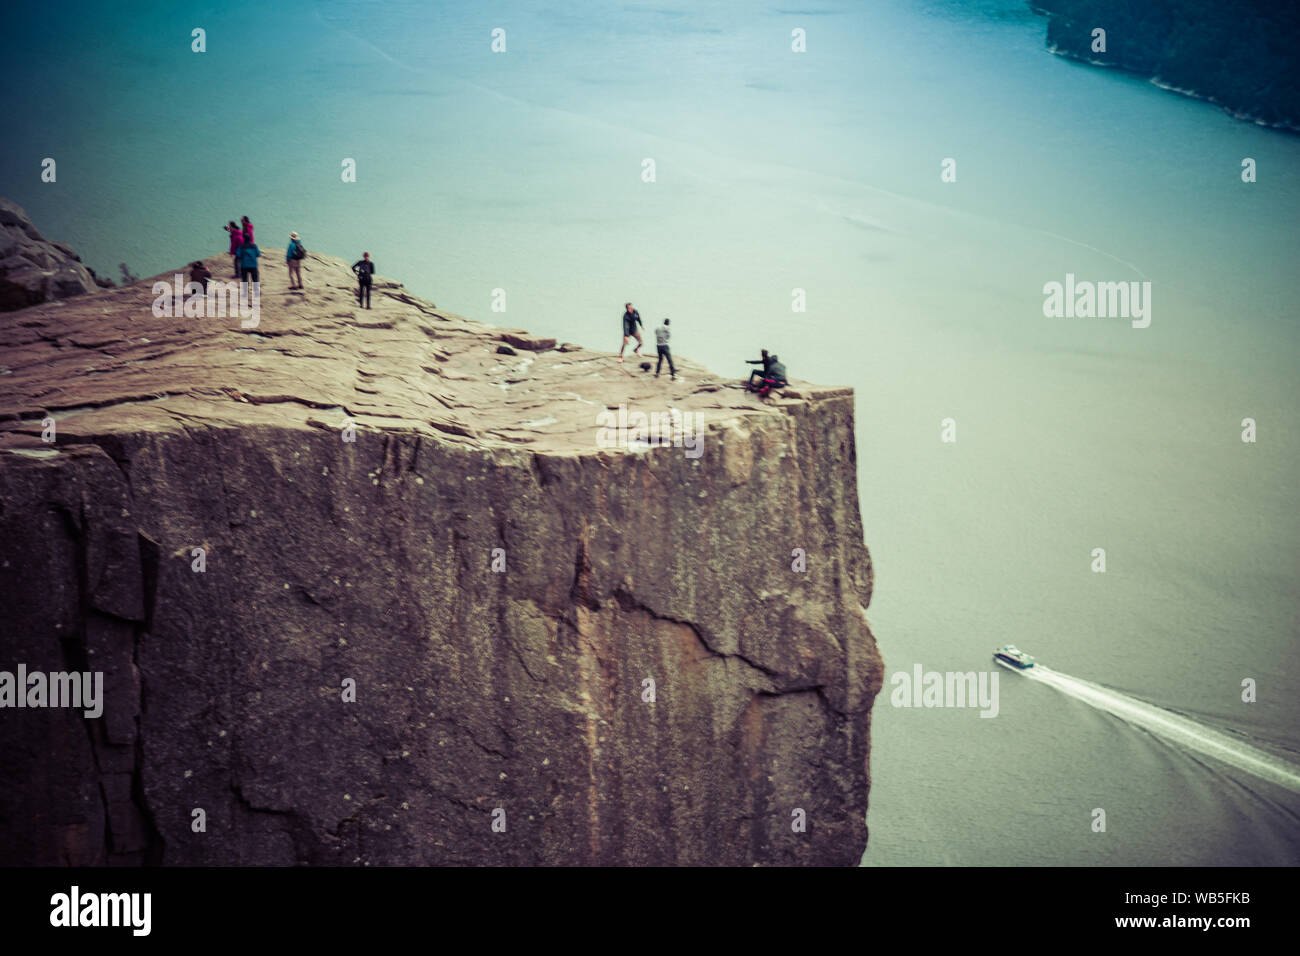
pixel 248 230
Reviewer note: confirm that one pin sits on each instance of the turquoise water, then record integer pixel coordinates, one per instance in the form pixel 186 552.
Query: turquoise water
pixel 817 171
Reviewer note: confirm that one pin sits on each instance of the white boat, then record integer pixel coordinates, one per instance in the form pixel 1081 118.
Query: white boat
pixel 1012 656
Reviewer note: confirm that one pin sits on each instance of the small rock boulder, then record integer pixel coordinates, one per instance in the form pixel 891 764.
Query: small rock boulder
pixel 34 269
pixel 530 343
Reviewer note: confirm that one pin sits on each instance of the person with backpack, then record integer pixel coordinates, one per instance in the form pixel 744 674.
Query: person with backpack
pixel 773 377
pixel 631 319
pixel 293 256
pixel 236 240
pixel 661 344
pixel 364 269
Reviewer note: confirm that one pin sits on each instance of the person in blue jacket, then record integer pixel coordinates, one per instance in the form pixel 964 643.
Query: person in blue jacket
pixel 248 254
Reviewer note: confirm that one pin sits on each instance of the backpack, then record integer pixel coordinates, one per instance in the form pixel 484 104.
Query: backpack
pixel 299 250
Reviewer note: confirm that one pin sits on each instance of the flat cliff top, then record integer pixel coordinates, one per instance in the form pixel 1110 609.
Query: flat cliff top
pixel 103 363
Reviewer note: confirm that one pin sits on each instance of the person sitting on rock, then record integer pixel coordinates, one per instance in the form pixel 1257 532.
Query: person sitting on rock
pixel 774 377
pixel 756 377
pixel 201 274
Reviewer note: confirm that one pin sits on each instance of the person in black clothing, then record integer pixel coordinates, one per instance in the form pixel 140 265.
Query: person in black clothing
pixel 631 319
pixel 765 361
pixel 201 274
pixel 774 377
pixel 364 270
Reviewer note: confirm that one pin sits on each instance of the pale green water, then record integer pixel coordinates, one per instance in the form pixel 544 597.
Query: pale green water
pixel 817 171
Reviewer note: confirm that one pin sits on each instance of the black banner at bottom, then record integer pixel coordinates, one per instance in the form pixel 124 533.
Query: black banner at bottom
pixel 333 906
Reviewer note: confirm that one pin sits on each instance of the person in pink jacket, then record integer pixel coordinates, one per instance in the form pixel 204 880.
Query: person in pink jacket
pixel 236 240
pixel 248 230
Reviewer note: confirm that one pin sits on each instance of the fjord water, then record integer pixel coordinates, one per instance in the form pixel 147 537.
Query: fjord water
pixel 817 171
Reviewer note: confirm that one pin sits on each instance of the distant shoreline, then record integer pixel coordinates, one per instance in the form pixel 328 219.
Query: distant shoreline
pixel 1285 126
pixel 1249 78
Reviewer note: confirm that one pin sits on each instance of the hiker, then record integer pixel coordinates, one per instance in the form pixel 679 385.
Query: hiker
pixel 774 377
pixel 364 270
pixel 631 319
pixel 661 344
pixel 247 230
pixel 293 256
pixel 765 361
pixel 201 274
pixel 236 240
pixel 248 254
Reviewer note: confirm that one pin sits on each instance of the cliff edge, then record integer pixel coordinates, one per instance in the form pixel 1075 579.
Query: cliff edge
pixel 390 587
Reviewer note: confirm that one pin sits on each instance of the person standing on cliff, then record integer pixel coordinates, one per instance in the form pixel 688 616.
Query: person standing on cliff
pixel 248 254
pixel 631 319
pixel 236 240
pixel 293 256
pixel 364 270
pixel 247 230
pixel 661 344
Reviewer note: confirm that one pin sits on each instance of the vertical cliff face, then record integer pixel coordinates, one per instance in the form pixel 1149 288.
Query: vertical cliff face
pixel 564 651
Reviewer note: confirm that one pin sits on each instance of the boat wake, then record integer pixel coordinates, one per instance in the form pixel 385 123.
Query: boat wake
pixel 1175 728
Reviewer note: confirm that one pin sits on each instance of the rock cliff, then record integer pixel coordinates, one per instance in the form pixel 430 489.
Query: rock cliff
pixel 367 587
pixel 34 269
pixel 1239 54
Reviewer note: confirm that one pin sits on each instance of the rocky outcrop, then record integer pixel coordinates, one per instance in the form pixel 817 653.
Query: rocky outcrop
pixel 1239 54
pixel 34 269
pixel 365 590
